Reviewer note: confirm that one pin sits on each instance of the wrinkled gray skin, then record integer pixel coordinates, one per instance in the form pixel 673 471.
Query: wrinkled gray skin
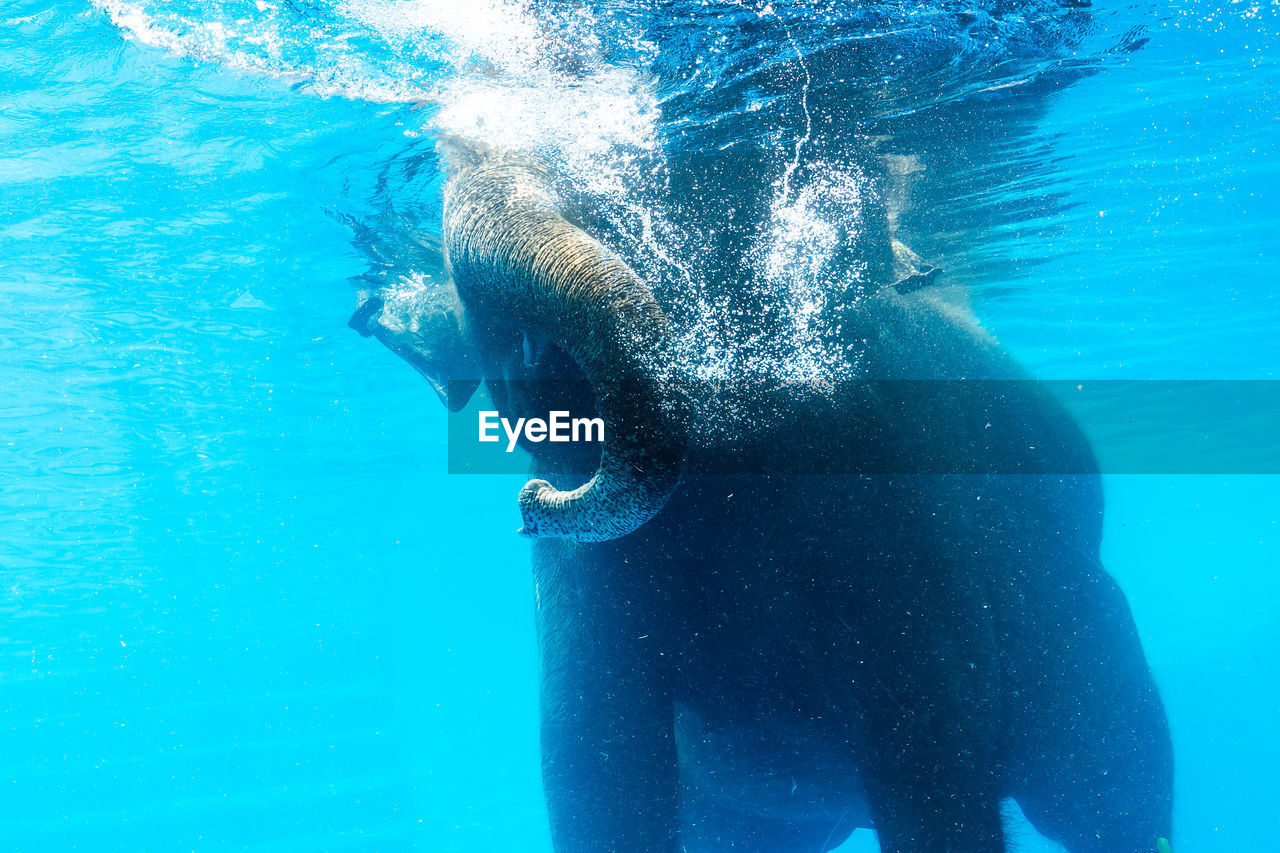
pixel 543 277
pixel 739 655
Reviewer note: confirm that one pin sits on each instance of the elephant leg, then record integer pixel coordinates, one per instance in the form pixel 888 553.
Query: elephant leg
pixel 609 783
pixel 1080 826
pixel 930 704
pixel 1093 762
pixel 735 832
pixel 929 818
pixel 609 762
pixel 710 827
pixel 932 773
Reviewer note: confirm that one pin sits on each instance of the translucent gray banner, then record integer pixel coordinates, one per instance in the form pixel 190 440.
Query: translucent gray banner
pixel 899 427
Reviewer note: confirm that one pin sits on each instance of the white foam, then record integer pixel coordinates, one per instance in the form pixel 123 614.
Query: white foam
pixel 799 262
pixel 270 46
pixel 499 75
pixel 498 31
pixel 495 74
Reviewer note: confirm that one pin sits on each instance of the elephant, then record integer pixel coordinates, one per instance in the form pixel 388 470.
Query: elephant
pixel 772 611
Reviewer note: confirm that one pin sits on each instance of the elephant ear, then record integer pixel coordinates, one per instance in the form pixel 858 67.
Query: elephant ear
pixel 424 325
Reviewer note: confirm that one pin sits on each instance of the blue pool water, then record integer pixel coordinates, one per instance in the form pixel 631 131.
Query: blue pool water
pixel 243 605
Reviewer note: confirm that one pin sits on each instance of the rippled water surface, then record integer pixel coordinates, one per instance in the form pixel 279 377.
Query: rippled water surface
pixel 243 606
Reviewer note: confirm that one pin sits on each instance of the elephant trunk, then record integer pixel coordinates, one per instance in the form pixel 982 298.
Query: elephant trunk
pixel 519 264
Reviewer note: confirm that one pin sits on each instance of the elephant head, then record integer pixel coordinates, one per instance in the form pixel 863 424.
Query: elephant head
pixel 520 266
pixel 524 272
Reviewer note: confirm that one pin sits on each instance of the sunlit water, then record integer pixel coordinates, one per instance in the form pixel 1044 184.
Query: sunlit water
pixel 243 606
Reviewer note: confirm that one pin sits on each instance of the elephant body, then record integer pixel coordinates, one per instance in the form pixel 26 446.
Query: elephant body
pixel 780 610
pixel 777 658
